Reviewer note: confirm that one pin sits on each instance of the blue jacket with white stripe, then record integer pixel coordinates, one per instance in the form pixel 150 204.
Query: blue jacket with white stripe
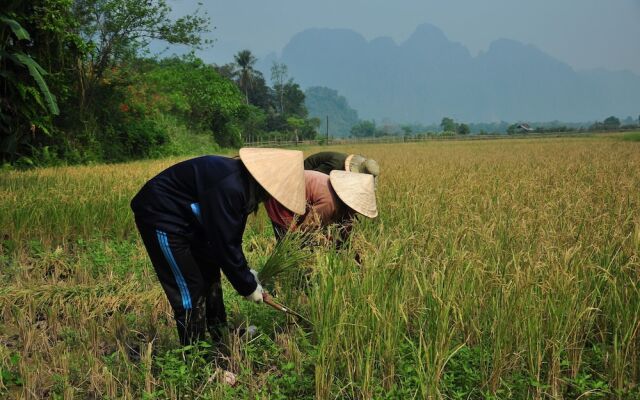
pixel 203 199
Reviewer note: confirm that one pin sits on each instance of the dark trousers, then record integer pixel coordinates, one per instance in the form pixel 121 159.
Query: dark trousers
pixel 190 281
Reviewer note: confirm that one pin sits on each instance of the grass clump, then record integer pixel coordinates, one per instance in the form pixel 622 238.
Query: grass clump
pixel 631 137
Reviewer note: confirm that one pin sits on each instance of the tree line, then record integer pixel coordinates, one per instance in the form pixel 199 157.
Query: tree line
pixel 77 85
pixel 449 126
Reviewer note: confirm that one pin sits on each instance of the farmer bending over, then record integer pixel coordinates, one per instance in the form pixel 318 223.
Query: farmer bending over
pixel 331 199
pixel 328 161
pixel 191 218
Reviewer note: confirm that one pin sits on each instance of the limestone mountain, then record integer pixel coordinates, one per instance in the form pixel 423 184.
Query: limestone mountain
pixel 429 76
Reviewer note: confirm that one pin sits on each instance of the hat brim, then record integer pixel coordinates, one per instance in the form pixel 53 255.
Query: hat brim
pixel 355 190
pixel 280 172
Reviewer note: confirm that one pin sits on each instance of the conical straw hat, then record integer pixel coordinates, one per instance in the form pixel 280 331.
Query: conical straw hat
pixel 280 173
pixel 356 191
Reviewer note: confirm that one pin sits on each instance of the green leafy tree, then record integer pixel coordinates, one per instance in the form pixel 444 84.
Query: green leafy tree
pixel 226 70
pixel 279 75
pixel 295 124
pixel 448 125
pixel 293 98
pixel 364 129
pixel 252 121
pixel 203 99
pixel 276 122
pixel 261 95
pixel 25 99
pixel 245 61
pixel 463 129
pixel 310 128
pixel 287 97
pixel 116 30
pixel 611 123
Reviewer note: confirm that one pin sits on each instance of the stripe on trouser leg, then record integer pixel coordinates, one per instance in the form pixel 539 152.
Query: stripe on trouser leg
pixel 195 207
pixel 182 284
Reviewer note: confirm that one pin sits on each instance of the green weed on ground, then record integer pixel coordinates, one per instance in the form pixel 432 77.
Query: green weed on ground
pixel 631 137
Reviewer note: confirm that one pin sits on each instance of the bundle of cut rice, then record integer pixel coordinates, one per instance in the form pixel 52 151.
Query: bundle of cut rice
pixel 288 254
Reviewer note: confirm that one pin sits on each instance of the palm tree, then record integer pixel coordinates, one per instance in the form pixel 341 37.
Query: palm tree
pixel 245 62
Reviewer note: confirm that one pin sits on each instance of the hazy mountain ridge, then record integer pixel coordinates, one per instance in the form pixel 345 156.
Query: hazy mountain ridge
pixel 323 102
pixel 428 77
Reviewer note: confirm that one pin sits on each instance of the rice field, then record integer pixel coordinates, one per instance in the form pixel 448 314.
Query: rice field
pixel 502 269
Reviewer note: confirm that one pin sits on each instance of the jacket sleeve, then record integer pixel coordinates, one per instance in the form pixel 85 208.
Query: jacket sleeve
pixel 224 220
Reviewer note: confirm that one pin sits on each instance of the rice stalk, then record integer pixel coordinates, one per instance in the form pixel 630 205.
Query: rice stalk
pixel 287 255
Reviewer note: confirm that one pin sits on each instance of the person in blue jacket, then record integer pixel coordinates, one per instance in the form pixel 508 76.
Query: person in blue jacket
pixel 191 218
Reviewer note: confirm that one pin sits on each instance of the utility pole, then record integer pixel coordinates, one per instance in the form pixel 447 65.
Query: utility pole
pixel 327 129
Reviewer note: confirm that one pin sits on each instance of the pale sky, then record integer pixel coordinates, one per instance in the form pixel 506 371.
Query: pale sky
pixel 583 33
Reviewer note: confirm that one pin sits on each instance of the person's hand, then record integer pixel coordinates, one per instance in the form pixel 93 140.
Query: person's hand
pixel 256 296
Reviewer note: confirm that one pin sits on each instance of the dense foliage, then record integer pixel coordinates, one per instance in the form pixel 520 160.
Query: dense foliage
pixel 75 86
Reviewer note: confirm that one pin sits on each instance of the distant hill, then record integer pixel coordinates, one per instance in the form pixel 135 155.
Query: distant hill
pixel 322 102
pixel 428 77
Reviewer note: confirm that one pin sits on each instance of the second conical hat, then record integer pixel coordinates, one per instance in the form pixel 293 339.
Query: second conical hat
pixel 280 173
pixel 355 190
